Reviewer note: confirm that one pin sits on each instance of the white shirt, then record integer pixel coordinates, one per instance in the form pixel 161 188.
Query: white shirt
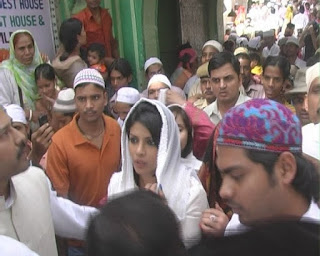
pixel 235 226
pixel 311 140
pixel 214 113
pixel 273 51
pixel 300 63
pixel 12 247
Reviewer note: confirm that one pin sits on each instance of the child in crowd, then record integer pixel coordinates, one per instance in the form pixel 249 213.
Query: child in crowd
pixel 96 54
pixel 256 68
pixel 126 98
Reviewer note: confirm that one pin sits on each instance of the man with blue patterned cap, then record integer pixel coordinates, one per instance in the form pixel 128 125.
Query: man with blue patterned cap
pixel 264 174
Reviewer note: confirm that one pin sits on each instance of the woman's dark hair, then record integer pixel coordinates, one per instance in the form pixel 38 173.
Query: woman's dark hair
pixel 139 223
pixel 121 65
pixel 98 48
pixel 16 37
pixel 306 181
pixel 278 61
pixel 178 111
pixel 45 71
pixel 229 46
pixel 69 30
pixel 222 58
pixel 148 115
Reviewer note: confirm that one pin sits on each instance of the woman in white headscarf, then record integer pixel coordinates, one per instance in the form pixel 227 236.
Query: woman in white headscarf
pixel 151 159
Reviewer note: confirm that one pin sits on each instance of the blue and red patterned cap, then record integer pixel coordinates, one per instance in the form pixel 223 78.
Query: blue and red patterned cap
pixel 263 125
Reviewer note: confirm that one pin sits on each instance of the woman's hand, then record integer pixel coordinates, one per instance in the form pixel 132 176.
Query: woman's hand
pixel 214 221
pixel 155 189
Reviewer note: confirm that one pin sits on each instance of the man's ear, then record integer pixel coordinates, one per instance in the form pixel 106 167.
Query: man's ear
pixel 286 167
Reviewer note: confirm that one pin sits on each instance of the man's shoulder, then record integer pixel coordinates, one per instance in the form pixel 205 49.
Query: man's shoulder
pixel 111 124
pixel 65 132
pixel 31 174
pixel 210 109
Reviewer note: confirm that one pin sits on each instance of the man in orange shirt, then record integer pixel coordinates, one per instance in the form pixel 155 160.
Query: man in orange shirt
pixel 97 23
pixel 85 153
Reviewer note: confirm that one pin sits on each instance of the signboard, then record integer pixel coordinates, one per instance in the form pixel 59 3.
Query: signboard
pixel 33 15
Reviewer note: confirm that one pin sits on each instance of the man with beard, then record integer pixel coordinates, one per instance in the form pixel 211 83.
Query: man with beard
pixel 224 70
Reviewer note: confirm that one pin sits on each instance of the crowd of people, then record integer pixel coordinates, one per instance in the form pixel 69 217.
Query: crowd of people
pixel 222 153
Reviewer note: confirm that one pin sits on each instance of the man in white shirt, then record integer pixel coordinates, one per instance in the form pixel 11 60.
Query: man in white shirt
pixel 264 174
pixel 30 211
pixel 311 132
pixel 271 48
pixel 292 50
pixel 226 80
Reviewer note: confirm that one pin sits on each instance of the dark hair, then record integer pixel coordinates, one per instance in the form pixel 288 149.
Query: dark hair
pixel 290 25
pixel 301 9
pixel 45 71
pixel 229 46
pixel 255 56
pixel 222 58
pixel 148 115
pixel 98 48
pixel 138 224
pixel 16 37
pixel 176 110
pixel 278 61
pixel 69 30
pixel 121 65
pixel 272 10
pixel 243 55
pixel 306 181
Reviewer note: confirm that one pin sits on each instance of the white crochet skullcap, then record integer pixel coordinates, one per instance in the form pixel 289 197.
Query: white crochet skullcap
pixel 159 78
pixel 88 75
pixel 65 101
pixel 312 73
pixel 151 61
pixel 16 113
pixel 214 44
pixel 128 95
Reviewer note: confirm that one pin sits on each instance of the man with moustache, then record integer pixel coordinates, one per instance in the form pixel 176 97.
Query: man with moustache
pixel 224 70
pixel 30 212
pixel 85 153
pixel 253 90
pixel 97 23
pixel 311 132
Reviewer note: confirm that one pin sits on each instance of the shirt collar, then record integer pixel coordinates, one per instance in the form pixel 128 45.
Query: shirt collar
pixel 11 198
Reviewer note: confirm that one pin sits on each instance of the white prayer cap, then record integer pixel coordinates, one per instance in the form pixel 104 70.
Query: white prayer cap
pixel 312 73
pixel 65 101
pixel 159 78
pixel 254 43
pixel 89 75
pixel 214 44
pixel 128 95
pixel 293 40
pixel 151 61
pixel 16 113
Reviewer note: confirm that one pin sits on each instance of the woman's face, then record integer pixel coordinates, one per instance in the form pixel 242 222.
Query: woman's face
pixel 24 48
pixel 272 81
pixel 143 151
pixel 183 132
pixel 46 88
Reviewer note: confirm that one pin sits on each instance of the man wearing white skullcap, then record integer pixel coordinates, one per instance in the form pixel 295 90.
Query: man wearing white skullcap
pixel 85 153
pixel 18 118
pixel 209 49
pixel 126 98
pixel 311 132
pixel 156 83
pixel 152 66
pixel 270 49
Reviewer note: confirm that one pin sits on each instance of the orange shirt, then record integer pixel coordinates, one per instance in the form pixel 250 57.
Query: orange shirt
pixel 98 33
pixel 78 169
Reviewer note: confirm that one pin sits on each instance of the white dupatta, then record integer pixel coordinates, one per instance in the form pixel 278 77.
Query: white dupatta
pixel 173 176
